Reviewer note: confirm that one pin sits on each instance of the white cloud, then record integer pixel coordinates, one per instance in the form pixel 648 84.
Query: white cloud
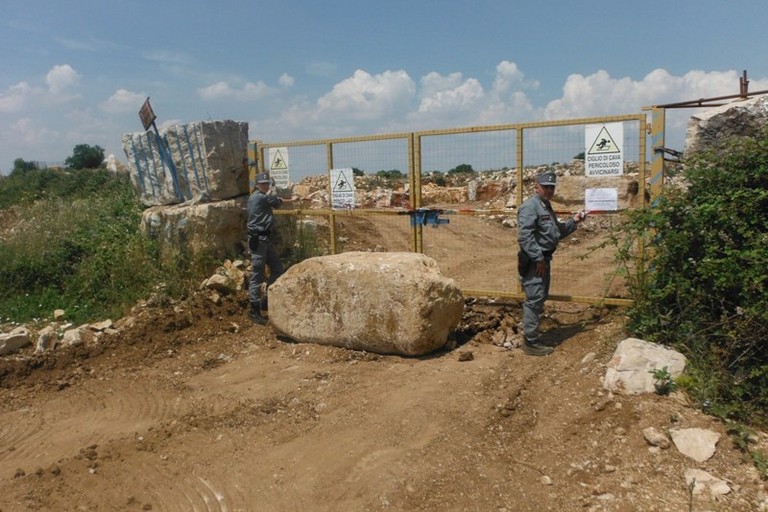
pixel 366 97
pixel 60 78
pixel 123 100
pixel 509 79
pixel 15 99
pixel 392 102
pixel 449 93
pixel 41 121
pixel 28 131
pixel 458 101
pixel 251 91
pixel 600 94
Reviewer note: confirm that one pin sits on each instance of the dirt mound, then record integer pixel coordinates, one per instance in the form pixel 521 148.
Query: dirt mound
pixel 191 407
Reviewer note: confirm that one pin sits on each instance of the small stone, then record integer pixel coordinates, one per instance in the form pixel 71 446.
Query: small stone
pixel 466 356
pixel 656 438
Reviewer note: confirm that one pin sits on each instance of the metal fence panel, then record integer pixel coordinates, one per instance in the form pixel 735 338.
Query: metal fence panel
pixel 472 227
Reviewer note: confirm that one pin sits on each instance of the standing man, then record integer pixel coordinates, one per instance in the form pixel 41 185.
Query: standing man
pixel 261 230
pixel 539 232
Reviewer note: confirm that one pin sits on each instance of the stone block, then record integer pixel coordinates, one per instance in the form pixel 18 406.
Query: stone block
pixel 389 303
pixel 200 161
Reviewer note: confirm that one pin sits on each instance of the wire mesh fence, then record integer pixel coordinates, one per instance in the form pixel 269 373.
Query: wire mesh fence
pixel 453 195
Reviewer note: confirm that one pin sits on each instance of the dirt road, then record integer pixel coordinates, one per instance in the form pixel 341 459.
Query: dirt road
pixel 191 407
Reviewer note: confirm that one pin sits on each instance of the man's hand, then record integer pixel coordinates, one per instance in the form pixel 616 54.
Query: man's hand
pixel 541 268
pixel 580 216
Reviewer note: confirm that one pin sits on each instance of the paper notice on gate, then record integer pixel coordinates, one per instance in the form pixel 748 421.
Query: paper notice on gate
pixel 601 199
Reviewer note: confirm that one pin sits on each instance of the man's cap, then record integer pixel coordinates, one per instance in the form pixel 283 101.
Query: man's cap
pixel 547 178
pixel 263 177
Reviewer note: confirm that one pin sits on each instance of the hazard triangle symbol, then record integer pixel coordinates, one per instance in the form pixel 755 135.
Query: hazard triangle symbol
pixel 278 162
pixel 342 183
pixel 603 143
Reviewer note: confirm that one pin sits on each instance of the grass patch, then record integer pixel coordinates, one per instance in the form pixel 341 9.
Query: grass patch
pixel 78 247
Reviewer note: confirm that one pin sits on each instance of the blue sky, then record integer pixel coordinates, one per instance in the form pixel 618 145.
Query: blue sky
pixel 77 71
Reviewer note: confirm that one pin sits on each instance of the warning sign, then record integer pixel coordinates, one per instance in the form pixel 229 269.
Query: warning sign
pixel 604 155
pixel 278 167
pixel 342 189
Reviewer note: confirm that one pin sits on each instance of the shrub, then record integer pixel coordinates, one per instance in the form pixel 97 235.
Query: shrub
pixel 462 169
pixel 85 156
pixel 705 288
pixel 79 248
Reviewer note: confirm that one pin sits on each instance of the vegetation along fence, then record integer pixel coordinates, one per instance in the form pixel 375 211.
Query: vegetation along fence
pixel 453 194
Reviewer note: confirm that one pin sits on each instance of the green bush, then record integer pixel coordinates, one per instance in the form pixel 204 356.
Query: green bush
pixel 85 156
pixel 22 188
pixel 392 174
pixel 704 289
pixel 461 169
pixel 79 248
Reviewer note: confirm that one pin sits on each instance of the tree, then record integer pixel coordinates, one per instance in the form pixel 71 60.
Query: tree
pixel 85 156
pixel 462 168
pixel 392 174
pixel 357 172
pixel 20 165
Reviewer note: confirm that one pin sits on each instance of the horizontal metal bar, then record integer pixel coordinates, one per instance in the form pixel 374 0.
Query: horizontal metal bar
pixel 607 301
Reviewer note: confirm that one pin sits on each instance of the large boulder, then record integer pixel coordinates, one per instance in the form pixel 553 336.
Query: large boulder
pixel 201 161
pixel 215 230
pixel 711 128
pixel 388 303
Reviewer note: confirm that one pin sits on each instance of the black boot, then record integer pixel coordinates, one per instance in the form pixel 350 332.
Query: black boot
pixel 536 349
pixel 265 303
pixel 256 317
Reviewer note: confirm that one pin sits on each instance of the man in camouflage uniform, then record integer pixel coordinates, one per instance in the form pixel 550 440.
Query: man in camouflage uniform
pixel 539 232
pixel 261 230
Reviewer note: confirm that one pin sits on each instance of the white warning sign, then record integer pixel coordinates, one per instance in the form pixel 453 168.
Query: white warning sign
pixel 278 167
pixel 604 155
pixel 601 199
pixel 342 189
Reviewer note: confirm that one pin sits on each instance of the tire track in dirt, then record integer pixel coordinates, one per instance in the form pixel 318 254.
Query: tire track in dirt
pixel 73 419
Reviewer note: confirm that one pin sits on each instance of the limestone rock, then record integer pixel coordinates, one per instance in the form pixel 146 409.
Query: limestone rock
pixel 656 438
pixel 201 161
pixel 46 339
pixel 390 303
pixel 709 129
pixel 215 229
pixel 701 480
pixel 101 326
pixel 14 340
pixel 630 370
pixel 696 443
pixel 78 336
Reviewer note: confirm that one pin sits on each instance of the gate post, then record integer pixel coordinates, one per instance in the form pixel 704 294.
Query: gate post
pixel 658 115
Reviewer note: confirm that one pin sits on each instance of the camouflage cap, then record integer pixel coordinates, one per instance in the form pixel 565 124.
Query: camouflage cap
pixel 547 178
